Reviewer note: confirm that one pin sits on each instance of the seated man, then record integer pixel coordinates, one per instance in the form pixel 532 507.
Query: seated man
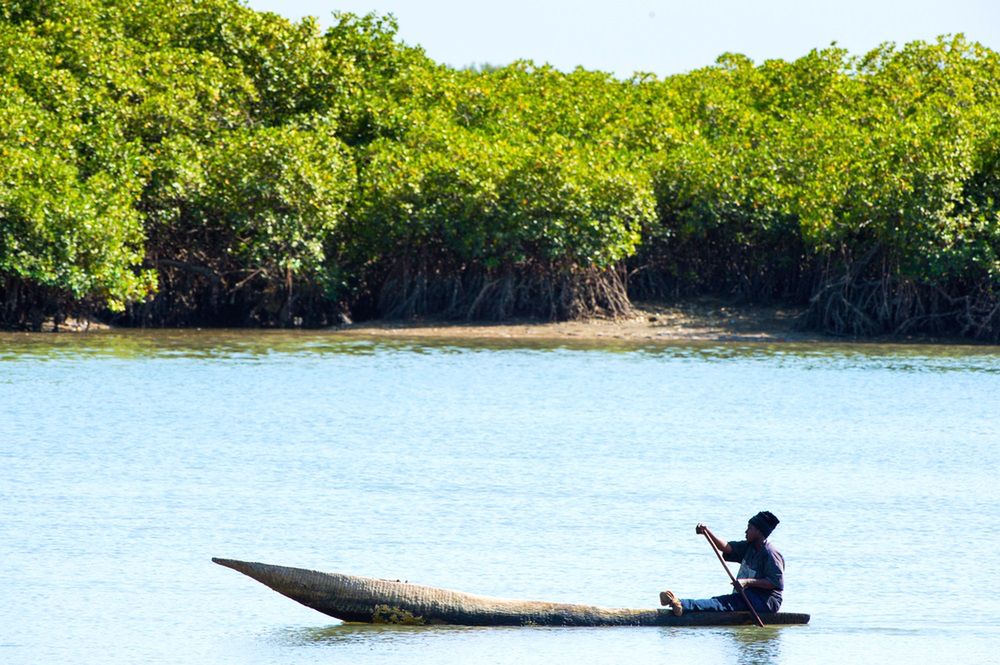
pixel 762 571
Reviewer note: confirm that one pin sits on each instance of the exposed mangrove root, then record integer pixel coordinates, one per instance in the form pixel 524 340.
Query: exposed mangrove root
pixel 859 296
pixel 481 294
pixel 27 306
pixel 686 268
pixel 198 292
pixel 895 306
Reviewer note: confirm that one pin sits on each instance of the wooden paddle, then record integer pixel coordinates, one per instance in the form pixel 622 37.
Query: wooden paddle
pixel 735 583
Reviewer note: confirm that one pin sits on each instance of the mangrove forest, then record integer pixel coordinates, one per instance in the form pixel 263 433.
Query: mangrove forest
pixel 199 163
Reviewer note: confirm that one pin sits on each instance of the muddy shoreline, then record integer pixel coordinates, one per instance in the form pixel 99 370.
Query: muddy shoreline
pixel 701 320
pixel 695 321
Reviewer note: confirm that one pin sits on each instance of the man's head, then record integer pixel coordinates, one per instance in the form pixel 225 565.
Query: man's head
pixel 761 525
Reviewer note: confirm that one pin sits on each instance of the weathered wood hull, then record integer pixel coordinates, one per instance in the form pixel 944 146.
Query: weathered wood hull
pixel 370 600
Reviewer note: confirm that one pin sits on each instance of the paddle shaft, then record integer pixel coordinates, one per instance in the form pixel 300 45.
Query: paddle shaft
pixel 735 583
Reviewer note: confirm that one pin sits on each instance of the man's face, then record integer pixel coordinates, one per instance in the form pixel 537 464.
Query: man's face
pixel 753 533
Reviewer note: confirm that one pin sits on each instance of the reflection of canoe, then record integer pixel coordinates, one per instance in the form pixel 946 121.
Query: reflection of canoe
pixel 369 600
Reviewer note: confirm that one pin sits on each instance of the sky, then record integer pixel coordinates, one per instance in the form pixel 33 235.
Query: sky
pixel 662 37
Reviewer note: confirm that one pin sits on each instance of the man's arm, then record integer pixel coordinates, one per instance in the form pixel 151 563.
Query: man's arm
pixel 757 583
pixel 723 546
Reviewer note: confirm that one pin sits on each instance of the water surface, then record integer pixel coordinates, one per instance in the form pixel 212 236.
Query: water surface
pixel 128 460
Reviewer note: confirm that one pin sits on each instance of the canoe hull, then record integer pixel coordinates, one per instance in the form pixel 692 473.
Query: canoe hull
pixel 370 600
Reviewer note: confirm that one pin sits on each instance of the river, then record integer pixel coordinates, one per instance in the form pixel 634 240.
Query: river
pixel 128 460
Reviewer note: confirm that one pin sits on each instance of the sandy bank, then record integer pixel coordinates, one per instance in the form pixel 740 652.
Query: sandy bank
pixel 698 321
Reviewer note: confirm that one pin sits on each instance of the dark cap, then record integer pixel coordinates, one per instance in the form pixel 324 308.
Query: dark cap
pixel 765 521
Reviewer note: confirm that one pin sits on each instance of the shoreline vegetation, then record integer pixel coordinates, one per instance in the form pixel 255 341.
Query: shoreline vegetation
pixel 196 163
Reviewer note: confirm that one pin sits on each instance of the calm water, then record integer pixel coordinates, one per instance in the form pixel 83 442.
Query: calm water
pixel 128 461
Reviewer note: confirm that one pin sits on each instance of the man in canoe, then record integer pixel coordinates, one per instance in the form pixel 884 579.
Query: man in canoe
pixel 761 575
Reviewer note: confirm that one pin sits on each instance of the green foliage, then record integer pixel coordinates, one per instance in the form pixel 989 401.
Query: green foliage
pixel 897 165
pixel 471 198
pixel 232 165
pixel 67 223
pixel 277 194
pixel 79 236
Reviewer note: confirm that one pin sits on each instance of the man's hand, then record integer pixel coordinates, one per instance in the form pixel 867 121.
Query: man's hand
pixel 703 530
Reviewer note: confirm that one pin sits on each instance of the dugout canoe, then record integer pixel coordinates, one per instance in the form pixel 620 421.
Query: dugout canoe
pixel 370 600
